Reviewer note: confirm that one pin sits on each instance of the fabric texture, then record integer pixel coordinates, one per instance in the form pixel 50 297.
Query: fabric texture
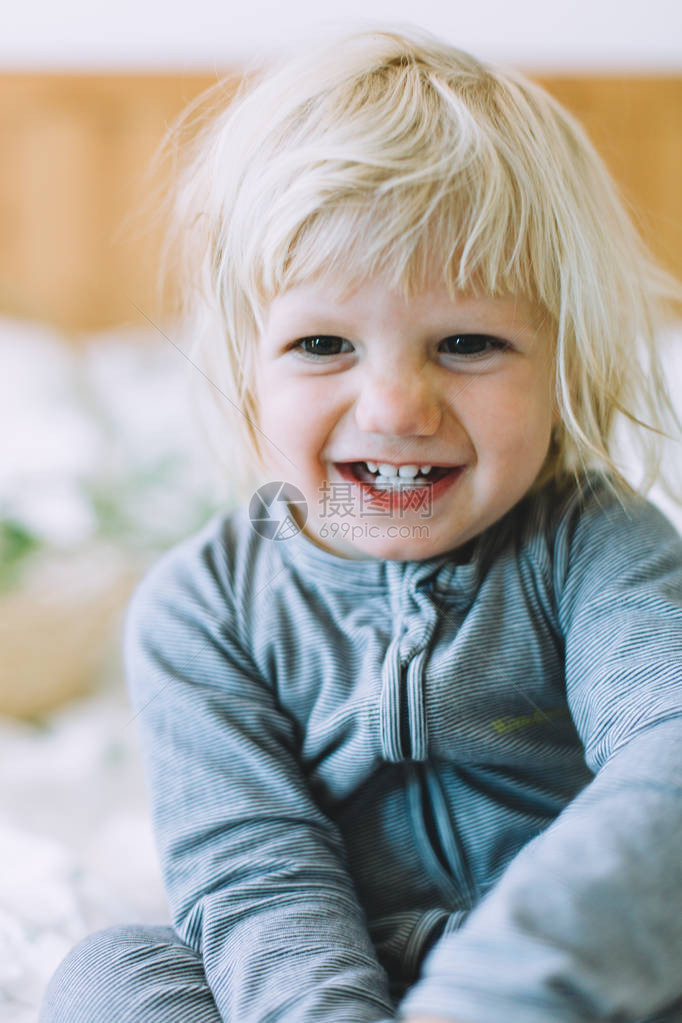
pixel 443 788
pixel 132 974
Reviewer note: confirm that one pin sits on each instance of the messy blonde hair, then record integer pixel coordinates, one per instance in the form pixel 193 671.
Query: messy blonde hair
pixel 383 153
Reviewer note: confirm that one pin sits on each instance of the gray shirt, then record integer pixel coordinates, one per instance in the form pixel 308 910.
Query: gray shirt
pixel 448 787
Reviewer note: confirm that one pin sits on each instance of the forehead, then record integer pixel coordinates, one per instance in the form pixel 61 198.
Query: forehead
pixel 376 302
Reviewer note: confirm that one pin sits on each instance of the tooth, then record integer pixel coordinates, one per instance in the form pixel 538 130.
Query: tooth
pixel 372 466
pixel 408 471
pixel 391 482
pixel 426 468
pixel 387 470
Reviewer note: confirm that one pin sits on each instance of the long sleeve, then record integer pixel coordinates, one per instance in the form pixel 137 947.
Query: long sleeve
pixel 254 871
pixel 585 923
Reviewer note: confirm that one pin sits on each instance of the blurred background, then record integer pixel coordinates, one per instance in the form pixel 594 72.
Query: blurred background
pixel 102 466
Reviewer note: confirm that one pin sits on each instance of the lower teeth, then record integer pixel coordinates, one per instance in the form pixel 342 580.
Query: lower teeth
pixel 400 481
pixel 400 484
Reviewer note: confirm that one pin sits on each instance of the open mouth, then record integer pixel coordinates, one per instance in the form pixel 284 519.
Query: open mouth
pixel 402 487
pixel 404 477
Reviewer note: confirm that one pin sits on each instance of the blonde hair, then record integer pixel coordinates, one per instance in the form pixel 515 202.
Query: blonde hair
pixel 383 152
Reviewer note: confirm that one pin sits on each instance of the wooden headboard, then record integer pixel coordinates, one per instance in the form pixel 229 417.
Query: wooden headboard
pixel 75 149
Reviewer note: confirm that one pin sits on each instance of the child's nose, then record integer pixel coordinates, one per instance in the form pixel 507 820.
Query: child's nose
pixel 401 406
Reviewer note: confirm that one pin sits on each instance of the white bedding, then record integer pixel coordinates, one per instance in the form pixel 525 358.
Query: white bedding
pixel 75 842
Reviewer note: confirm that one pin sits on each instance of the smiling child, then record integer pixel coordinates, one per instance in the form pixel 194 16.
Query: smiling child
pixel 417 757
pixel 461 384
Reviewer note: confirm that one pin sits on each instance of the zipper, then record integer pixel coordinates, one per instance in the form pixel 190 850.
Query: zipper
pixel 404 718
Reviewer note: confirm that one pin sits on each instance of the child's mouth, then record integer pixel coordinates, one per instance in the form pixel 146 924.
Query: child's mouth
pixel 399 487
pixel 404 477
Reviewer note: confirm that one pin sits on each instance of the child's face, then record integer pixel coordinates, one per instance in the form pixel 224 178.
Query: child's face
pixel 463 384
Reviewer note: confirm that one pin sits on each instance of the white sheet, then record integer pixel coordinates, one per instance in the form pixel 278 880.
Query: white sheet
pixel 75 842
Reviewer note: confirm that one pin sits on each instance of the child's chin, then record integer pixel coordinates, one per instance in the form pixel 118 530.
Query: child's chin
pixel 383 546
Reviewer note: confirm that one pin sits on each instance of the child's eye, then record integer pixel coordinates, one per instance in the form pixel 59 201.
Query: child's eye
pixel 323 344
pixel 472 345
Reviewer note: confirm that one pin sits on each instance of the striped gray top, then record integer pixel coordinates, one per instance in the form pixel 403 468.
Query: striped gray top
pixel 387 788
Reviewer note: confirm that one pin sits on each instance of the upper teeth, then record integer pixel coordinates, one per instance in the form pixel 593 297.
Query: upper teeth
pixel 405 471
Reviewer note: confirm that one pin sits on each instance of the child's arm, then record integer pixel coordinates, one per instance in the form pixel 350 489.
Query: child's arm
pixel 254 870
pixel 586 922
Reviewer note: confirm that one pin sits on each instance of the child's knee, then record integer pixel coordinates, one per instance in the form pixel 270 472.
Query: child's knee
pixel 100 978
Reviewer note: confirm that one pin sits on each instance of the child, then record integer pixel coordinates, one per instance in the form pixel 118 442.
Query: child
pixel 414 737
